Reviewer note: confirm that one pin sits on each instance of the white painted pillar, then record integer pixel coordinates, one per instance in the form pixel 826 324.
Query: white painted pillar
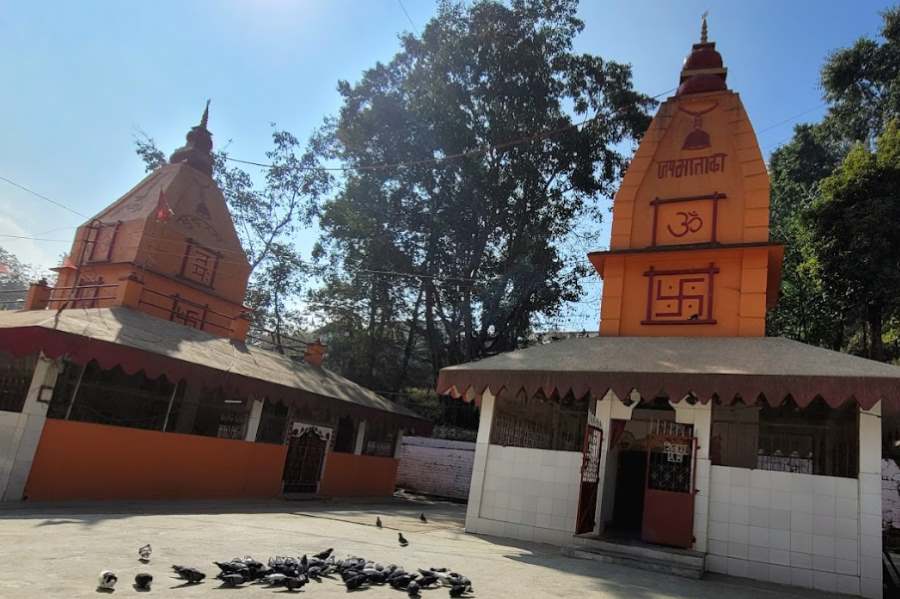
pixel 700 416
pixel 608 409
pixel 398 443
pixel 29 428
pixel 358 444
pixel 479 466
pixel 870 502
pixel 253 420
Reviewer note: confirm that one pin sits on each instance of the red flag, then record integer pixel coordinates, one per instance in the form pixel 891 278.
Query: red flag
pixel 163 211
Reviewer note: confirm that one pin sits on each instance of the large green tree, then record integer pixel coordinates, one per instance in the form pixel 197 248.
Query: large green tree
pixel 469 168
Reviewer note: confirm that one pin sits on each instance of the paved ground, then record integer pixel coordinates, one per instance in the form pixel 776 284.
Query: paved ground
pixel 54 551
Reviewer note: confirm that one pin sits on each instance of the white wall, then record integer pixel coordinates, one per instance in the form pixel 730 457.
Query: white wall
pixel 436 466
pixel 529 494
pixel 786 528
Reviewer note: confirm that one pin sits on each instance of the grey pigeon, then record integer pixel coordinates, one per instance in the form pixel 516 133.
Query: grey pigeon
pixel 192 575
pixel 458 590
pixel 293 584
pixel 231 580
pixel 324 554
pixel 402 539
pixel 412 589
pixel 423 518
pixel 378 521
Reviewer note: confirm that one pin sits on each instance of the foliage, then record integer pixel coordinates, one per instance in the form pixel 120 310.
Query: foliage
pixel 267 214
pixel 15 277
pixel 452 256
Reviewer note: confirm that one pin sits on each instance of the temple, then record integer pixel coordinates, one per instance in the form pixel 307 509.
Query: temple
pixel 682 439
pixel 132 378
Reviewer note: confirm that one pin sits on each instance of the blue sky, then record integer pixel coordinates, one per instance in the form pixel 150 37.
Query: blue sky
pixel 80 78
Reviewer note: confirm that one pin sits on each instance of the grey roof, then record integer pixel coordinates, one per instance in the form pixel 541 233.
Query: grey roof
pixel 702 365
pixel 184 348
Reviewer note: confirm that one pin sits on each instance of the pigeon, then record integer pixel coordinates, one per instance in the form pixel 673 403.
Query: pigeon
pixel 107 581
pixel 324 554
pixel 402 539
pixel 275 579
pixel 423 518
pixel 233 567
pixel 355 581
pixel 412 589
pixel 144 553
pixel 142 581
pixel 458 590
pixel 231 580
pixel 192 575
pixel 293 584
pixel 378 521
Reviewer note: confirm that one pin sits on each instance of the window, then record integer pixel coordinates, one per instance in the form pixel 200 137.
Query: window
pixel 15 379
pixel 539 423
pixel 272 423
pixel 380 439
pixel 345 438
pixel 215 414
pixel 816 439
pixel 111 397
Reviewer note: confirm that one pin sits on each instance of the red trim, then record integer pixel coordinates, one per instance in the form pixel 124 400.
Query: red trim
pixel 652 275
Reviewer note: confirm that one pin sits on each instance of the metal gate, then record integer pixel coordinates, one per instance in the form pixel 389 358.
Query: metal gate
pixel 305 456
pixel 590 477
pixel 669 485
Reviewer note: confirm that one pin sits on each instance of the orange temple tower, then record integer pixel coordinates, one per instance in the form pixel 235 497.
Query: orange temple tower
pixel 690 252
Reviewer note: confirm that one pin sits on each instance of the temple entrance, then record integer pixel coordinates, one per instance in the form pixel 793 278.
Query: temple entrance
pixel 590 479
pixel 307 447
pixel 648 494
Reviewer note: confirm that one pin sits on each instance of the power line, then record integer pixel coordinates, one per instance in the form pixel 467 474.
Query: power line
pixel 408 18
pixel 43 197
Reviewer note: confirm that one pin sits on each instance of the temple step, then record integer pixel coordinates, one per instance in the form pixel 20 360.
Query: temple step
pixel 679 562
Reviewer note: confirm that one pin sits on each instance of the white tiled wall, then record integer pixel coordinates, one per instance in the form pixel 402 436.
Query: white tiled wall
pixel 528 494
pixel 786 528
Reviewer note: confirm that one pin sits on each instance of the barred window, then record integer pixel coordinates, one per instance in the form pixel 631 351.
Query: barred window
pixel 539 423
pixel 272 423
pixel 15 379
pixel 816 439
pixel 345 437
pixel 380 439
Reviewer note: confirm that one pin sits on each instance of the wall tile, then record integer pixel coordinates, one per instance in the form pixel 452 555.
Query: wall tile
pixel 781 480
pixel 824 485
pixel 759 497
pixel 802 502
pixel 717 547
pixel 823 563
pixel 739 550
pixel 847 507
pixel 801 484
pixel 870 546
pixel 846 487
pixel 757 570
pixel 779 539
pixel 823 545
pixel 758 554
pixel 843 566
pixel 737 567
pixel 870 568
pixel 780 500
pixel 779 574
pixel 846 528
pixel 847 549
pixel 870 587
pixel 801 577
pixel 740 477
pixel 718 531
pixel 780 519
pixel 738 533
pixel 716 563
pixel 779 556
pixel 801 541
pixel 720 475
pixel 823 505
pixel 759 517
pixel 823 525
pixel 720 492
pixel 739 514
pixel 869 483
pixel 801 560
pixel 718 511
pixel 759 536
pixel 870 525
pixel 740 496
pixel 870 503
pixel 848 585
pixel 825 581
pixel 801 522
pixel 760 479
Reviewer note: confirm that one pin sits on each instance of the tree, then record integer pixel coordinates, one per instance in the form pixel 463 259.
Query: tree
pixel 853 223
pixel 267 215
pixel 862 83
pixel 15 278
pixel 469 169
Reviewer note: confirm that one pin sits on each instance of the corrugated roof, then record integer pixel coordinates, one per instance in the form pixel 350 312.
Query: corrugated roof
pixel 725 366
pixel 121 336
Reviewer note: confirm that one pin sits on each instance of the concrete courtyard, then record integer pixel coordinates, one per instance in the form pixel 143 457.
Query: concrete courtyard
pixel 58 551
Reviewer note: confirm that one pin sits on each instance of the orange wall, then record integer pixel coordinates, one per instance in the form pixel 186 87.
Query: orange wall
pixel 348 475
pixel 78 460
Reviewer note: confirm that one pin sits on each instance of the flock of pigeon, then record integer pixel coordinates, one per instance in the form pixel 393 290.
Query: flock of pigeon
pixel 293 573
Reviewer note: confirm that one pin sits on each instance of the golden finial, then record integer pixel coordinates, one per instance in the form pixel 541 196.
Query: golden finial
pixel 703 28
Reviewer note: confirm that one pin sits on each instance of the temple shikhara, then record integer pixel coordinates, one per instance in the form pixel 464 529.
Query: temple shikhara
pixel 130 378
pixel 682 439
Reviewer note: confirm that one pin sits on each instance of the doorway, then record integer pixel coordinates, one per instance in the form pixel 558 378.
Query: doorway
pixel 305 459
pixel 628 509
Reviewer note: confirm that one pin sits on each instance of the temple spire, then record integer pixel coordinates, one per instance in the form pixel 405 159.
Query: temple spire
pixel 205 118
pixel 703 31
pixel 197 152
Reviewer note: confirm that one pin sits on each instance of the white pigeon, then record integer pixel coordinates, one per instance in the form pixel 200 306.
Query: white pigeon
pixel 107 581
pixel 144 552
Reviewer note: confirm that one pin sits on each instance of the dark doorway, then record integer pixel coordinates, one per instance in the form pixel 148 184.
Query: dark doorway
pixel 303 466
pixel 628 509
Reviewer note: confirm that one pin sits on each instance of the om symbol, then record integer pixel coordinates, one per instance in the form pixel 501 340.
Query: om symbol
pixel 690 223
